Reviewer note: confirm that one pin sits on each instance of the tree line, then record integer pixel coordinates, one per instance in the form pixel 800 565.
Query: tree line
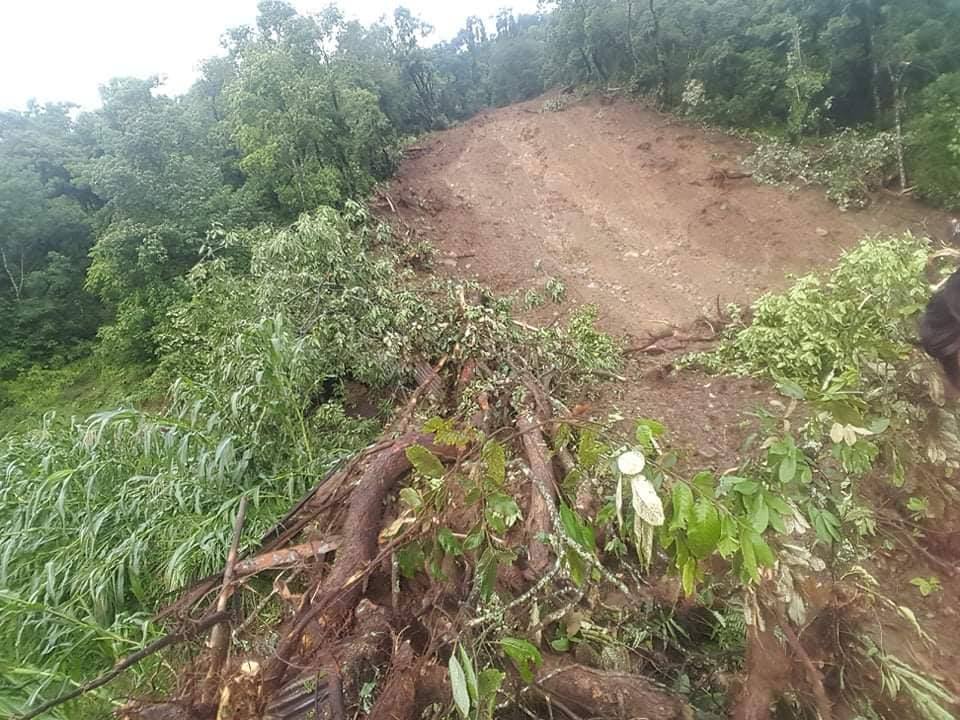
pixel 103 212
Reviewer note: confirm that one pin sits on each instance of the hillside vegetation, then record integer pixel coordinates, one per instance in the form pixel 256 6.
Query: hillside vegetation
pixel 202 325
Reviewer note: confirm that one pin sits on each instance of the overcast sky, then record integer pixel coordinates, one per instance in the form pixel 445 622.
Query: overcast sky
pixel 54 50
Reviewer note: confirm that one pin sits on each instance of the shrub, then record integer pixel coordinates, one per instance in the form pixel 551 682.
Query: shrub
pixel 828 325
pixel 851 165
pixel 933 157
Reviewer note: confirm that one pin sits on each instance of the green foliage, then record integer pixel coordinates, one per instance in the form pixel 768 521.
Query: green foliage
pixel 930 699
pixel 73 388
pixel 849 166
pixel 592 349
pixel 472 691
pixel 152 222
pixel 927 585
pixel 525 656
pixel 45 233
pixel 824 327
pixel 934 142
pixel 424 462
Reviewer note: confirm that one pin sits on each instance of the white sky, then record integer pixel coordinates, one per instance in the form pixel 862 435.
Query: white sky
pixel 63 50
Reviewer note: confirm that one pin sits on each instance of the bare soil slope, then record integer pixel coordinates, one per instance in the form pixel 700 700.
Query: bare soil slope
pixel 627 206
pixel 631 210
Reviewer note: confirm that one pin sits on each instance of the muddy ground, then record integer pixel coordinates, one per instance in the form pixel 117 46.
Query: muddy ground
pixel 631 210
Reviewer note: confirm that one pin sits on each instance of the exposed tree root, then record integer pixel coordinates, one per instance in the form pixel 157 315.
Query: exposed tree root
pixel 346 621
pixel 768 669
pixel 341 590
pixel 592 693
pixel 540 514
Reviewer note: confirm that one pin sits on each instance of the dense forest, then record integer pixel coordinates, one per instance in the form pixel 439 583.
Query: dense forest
pixel 206 264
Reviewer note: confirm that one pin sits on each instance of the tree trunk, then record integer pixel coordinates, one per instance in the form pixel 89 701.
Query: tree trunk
pixel 17 286
pixel 896 78
pixel 661 60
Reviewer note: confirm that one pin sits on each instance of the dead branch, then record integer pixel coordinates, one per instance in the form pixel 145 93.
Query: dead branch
pixel 183 634
pixel 397 699
pixel 386 197
pixel 341 589
pixel 653 339
pixel 285 557
pixel 767 669
pixel 814 677
pixel 219 637
pixel 288 527
pixel 335 691
pixel 367 645
pixel 593 693
pixel 539 516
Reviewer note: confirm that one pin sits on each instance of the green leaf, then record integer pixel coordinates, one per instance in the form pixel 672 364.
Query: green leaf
pixel 703 533
pixel 589 449
pixel 523 654
pixel 705 483
pixel 577 567
pixel 878 425
pixel 487 572
pixel 458 683
pixel 777 504
pixel 762 551
pixel 747 487
pixel 748 553
pixel 688 577
pixel 577 530
pixel 424 461
pixel 560 644
pixel 646 433
pixel 788 468
pixel 448 542
pixel 790 389
pixel 495 463
pixel 776 522
pixel 682 501
pixel 411 498
pixel 759 514
pixel 469 673
pixel 473 540
pixel 501 512
pixel 411 559
pixel 488 685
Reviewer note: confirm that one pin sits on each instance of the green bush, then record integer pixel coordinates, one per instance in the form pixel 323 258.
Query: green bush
pixel 829 324
pixel 850 165
pixel 933 157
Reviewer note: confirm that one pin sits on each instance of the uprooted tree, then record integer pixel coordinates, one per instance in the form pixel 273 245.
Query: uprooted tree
pixel 497 550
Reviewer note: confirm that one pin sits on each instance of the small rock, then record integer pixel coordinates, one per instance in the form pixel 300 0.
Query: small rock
pixel 822 232
pixel 592 285
pixel 631 254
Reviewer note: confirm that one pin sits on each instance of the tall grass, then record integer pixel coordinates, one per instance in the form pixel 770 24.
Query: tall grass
pixel 106 517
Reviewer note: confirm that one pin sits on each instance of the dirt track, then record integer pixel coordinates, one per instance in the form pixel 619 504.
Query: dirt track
pixel 619 203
